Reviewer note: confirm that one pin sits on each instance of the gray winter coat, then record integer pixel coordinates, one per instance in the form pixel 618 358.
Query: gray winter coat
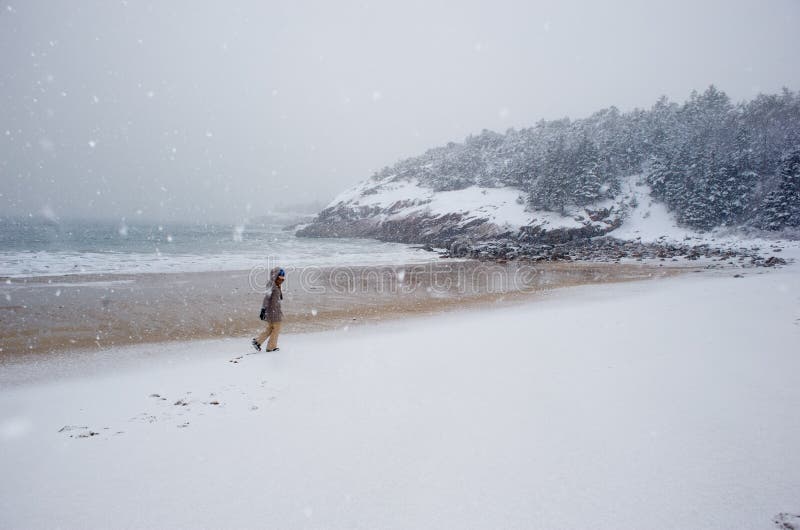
pixel 272 299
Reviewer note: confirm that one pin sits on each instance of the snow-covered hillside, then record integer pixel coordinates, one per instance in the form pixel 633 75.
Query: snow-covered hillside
pixel 645 218
pixel 397 199
pixel 399 209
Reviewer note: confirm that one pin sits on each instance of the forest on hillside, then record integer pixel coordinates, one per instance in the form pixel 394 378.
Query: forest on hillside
pixel 713 162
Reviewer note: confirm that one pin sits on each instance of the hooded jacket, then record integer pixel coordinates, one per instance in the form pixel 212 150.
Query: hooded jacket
pixel 273 297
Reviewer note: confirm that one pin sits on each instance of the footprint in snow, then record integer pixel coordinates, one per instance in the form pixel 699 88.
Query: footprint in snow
pixel 144 417
pixel 787 521
pixel 85 432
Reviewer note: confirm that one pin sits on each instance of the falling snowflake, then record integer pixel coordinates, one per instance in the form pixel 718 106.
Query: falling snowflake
pixel 238 232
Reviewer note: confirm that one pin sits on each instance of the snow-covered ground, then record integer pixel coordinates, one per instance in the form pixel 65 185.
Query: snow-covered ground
pixel 660 404
pixel 505 206
pixel 642 217
pixel 647 219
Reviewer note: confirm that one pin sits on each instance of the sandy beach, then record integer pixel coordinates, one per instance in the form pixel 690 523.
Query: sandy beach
pixel 668 404
pixel 43 315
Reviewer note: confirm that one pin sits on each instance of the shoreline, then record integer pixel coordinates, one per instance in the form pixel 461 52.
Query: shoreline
pixel 46 315
pixel 679 387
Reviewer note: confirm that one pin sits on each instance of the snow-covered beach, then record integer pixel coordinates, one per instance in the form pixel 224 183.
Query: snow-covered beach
pixel 382 265
pixel 669 403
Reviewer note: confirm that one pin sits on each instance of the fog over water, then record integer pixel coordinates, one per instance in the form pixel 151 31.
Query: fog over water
pixel 221 111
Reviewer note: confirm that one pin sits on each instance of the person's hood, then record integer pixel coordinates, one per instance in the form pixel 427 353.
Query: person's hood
pixel 273 274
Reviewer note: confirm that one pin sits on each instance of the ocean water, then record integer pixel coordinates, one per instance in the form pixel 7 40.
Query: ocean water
pixel 38 247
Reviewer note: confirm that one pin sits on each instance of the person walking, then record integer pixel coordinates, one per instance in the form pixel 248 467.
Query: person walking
pixel 271 311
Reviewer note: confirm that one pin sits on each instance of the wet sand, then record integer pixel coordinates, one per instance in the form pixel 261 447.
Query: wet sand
pixel 49 314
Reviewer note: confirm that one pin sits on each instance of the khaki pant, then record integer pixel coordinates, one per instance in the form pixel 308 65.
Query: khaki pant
pixel 272 331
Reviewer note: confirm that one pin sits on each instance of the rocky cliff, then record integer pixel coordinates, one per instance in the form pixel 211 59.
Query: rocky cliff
pixel 404 210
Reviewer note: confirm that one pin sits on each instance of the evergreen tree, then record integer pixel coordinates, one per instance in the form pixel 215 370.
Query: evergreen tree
pixel 782 206
pixel 710 161
pixel 588 182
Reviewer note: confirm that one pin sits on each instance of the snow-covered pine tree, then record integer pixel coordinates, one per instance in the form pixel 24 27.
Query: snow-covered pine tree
pixel 588 181
pixel 711 162
pixel 782 207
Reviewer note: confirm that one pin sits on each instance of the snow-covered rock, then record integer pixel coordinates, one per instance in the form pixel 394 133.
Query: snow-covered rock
pixel 405 210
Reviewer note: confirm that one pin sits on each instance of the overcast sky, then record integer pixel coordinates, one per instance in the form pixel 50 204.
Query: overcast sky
pixel 218 111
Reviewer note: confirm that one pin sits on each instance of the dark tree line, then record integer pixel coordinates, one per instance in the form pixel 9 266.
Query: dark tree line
pixel 713 162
